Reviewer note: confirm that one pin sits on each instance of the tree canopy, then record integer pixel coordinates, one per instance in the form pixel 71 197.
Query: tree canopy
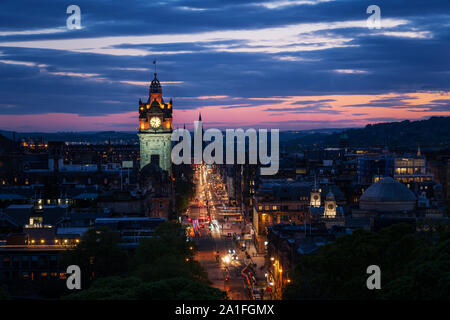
pixel 162 267
pixel 413 266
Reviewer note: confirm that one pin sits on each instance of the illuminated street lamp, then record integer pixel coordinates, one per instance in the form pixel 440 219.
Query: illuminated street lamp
pixel 227 259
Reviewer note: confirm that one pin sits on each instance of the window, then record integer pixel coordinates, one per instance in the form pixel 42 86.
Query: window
pixel 16 262
pixel 34 261
pixel 53 261
pixel 6 262
pixel 25 262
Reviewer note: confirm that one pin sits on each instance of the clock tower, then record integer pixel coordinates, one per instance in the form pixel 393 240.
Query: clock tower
pixel 155 128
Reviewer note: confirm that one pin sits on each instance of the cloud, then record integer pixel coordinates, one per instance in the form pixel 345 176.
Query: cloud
pixel 350 71
pixel 239 62
pixel 287 38
pixel 390 102
pixel 289 3
pixel 33 32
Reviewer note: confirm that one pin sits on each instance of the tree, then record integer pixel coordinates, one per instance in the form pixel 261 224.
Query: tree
pixel 184 187
pixel 167 254
pixel 163 267
pixel 4 295
pixel 413 266
pixel 98 255
pixel 132 288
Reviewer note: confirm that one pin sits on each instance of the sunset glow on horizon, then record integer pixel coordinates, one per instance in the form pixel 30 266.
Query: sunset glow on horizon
pixel 292 65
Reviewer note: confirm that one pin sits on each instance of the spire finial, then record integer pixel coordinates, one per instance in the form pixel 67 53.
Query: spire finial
pixel 418 150
pixel 154 62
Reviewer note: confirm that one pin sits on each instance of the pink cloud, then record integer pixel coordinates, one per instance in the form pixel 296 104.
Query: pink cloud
pixel 290 116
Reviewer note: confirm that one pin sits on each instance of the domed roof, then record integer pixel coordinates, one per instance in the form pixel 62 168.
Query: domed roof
pixel 388 195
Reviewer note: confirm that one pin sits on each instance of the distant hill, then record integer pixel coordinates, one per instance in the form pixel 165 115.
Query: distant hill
pixel 91 137
pixel 432 133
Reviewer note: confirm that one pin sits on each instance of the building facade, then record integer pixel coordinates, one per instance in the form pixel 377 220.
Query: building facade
pixel 155 128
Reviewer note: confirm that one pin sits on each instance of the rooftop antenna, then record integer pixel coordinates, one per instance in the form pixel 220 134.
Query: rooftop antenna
pixel 154 62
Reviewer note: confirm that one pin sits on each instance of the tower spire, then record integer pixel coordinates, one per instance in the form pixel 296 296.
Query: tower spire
pixel 418 150
pixel 154 62
pixel 199 116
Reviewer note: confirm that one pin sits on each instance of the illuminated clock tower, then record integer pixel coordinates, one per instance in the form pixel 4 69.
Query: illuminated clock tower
pixel 155 128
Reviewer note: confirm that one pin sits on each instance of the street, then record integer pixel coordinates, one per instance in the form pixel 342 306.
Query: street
pixel 218 231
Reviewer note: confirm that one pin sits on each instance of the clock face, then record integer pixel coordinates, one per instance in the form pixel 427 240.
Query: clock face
pixel 330 206
pixel 155 122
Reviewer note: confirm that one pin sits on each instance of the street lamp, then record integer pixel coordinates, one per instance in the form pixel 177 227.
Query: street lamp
pixel 227 259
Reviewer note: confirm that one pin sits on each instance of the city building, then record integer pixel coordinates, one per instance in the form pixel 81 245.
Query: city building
pixel 155 128
pixel 388 202
pixel 411 168
pixel 287 243
pixel 287 201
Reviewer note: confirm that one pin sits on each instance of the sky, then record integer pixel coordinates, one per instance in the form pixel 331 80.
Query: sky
pixel 280 64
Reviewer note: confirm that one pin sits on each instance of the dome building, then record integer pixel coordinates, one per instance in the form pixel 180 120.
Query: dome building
pixel 388 195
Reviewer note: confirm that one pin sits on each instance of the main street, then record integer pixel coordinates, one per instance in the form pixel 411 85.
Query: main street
pixel 217 251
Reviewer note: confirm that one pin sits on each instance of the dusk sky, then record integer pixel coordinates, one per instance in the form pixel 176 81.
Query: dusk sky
pixel 299 64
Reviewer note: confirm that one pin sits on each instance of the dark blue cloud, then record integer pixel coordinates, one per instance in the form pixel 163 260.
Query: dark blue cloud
pixel 386 63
